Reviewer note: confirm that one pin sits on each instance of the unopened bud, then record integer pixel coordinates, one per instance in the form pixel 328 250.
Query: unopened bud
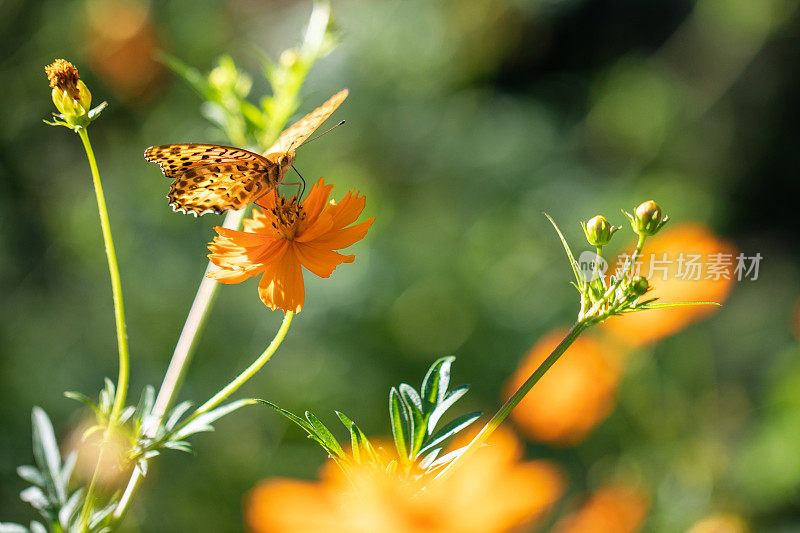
pixel 648 218
pixel 70 95
pixel 599 230
pixel 640 285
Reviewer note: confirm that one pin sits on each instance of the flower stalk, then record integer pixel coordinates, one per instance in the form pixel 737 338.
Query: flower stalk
pixel 116 285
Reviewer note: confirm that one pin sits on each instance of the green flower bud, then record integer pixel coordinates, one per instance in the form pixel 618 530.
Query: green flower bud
pixel 599 230
pixel 648 218
pixel 639 286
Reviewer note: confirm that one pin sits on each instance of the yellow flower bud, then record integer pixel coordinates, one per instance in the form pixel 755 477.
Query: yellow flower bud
pixel 599 230
pixel 70 95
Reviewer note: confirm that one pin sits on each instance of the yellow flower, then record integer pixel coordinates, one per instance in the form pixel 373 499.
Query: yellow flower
pixel 672 260
pixel 612 509
pixel 491 492
pixel 280 239
pixel 575 395
pixel 70 95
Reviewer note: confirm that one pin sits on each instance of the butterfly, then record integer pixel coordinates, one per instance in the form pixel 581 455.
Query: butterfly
pixel 210 178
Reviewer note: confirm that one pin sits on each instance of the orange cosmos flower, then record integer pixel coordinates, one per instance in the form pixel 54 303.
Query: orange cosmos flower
pixel 575 395
pixel 612 509
pixel 281 239
pixel 684 263
pixel 492 492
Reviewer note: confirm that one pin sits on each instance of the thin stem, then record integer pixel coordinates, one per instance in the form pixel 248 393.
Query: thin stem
pixel 248 373
pixel 88 502
pixel 136 477
pixel 517 397
pixel 187 342
pixel 116 286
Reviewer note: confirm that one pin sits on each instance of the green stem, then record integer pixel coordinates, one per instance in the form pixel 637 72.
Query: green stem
pixel 517 397
pixel 88 502
pixel 248 373
pixel 116 286
pixel 136 478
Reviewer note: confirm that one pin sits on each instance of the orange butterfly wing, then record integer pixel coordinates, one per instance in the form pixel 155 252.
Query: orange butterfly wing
pixel 213 178
pixel 209 177
pixel 297 133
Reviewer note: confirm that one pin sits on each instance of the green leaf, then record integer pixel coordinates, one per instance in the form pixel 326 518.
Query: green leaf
pixel 447 458
pixel 45 452
pixel 304 425
pixel 68 512
pixel 325 434
pixel 291 416
pixel 8 527
pixel 32 475
pixel 100 515
pixel 413 402
pixel 35 497
pixel 106 397
pixel 180 445
pixel 572 262
pixel 145 407
pixel 426 461
pixel 451 429
pixel 398 414
pixel 68 467
pixel 358 439
pixel 437 379
pixel 177 412
pixel 448 401
pixel 77 396
pixel 647 305
pixel 203 422
pixel 411 396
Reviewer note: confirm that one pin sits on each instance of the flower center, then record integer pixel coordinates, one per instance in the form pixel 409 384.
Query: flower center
pixel 288 215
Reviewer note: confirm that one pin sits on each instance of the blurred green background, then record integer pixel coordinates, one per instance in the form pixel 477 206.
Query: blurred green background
pixel 466 119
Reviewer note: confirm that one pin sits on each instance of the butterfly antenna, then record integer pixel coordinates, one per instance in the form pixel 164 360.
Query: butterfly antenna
pixel 321 134
pixel 303 185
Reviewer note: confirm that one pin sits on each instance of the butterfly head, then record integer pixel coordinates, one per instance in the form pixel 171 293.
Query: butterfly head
pixel 284 160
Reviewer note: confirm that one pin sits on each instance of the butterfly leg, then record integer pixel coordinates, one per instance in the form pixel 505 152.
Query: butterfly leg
pixel 303 188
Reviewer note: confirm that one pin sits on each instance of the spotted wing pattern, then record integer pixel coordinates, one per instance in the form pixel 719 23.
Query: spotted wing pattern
pixel 211 178
pixel 301 130
pixel 217 188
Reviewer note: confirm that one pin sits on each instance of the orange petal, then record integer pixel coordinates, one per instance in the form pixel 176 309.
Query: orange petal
pixel 347 211
pixel 281 286
pixel 259 220
pixel 230 276
pixel 342 238
pixel 322 225
pixel 320 261
pixel 243 238
pixel 316 200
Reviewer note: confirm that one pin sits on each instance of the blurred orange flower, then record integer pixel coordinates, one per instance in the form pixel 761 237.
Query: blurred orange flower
pixel 671 261
pixel 612 509
pixel 575 395
pixel 122 45
pixel 492 492
pixel 281 239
